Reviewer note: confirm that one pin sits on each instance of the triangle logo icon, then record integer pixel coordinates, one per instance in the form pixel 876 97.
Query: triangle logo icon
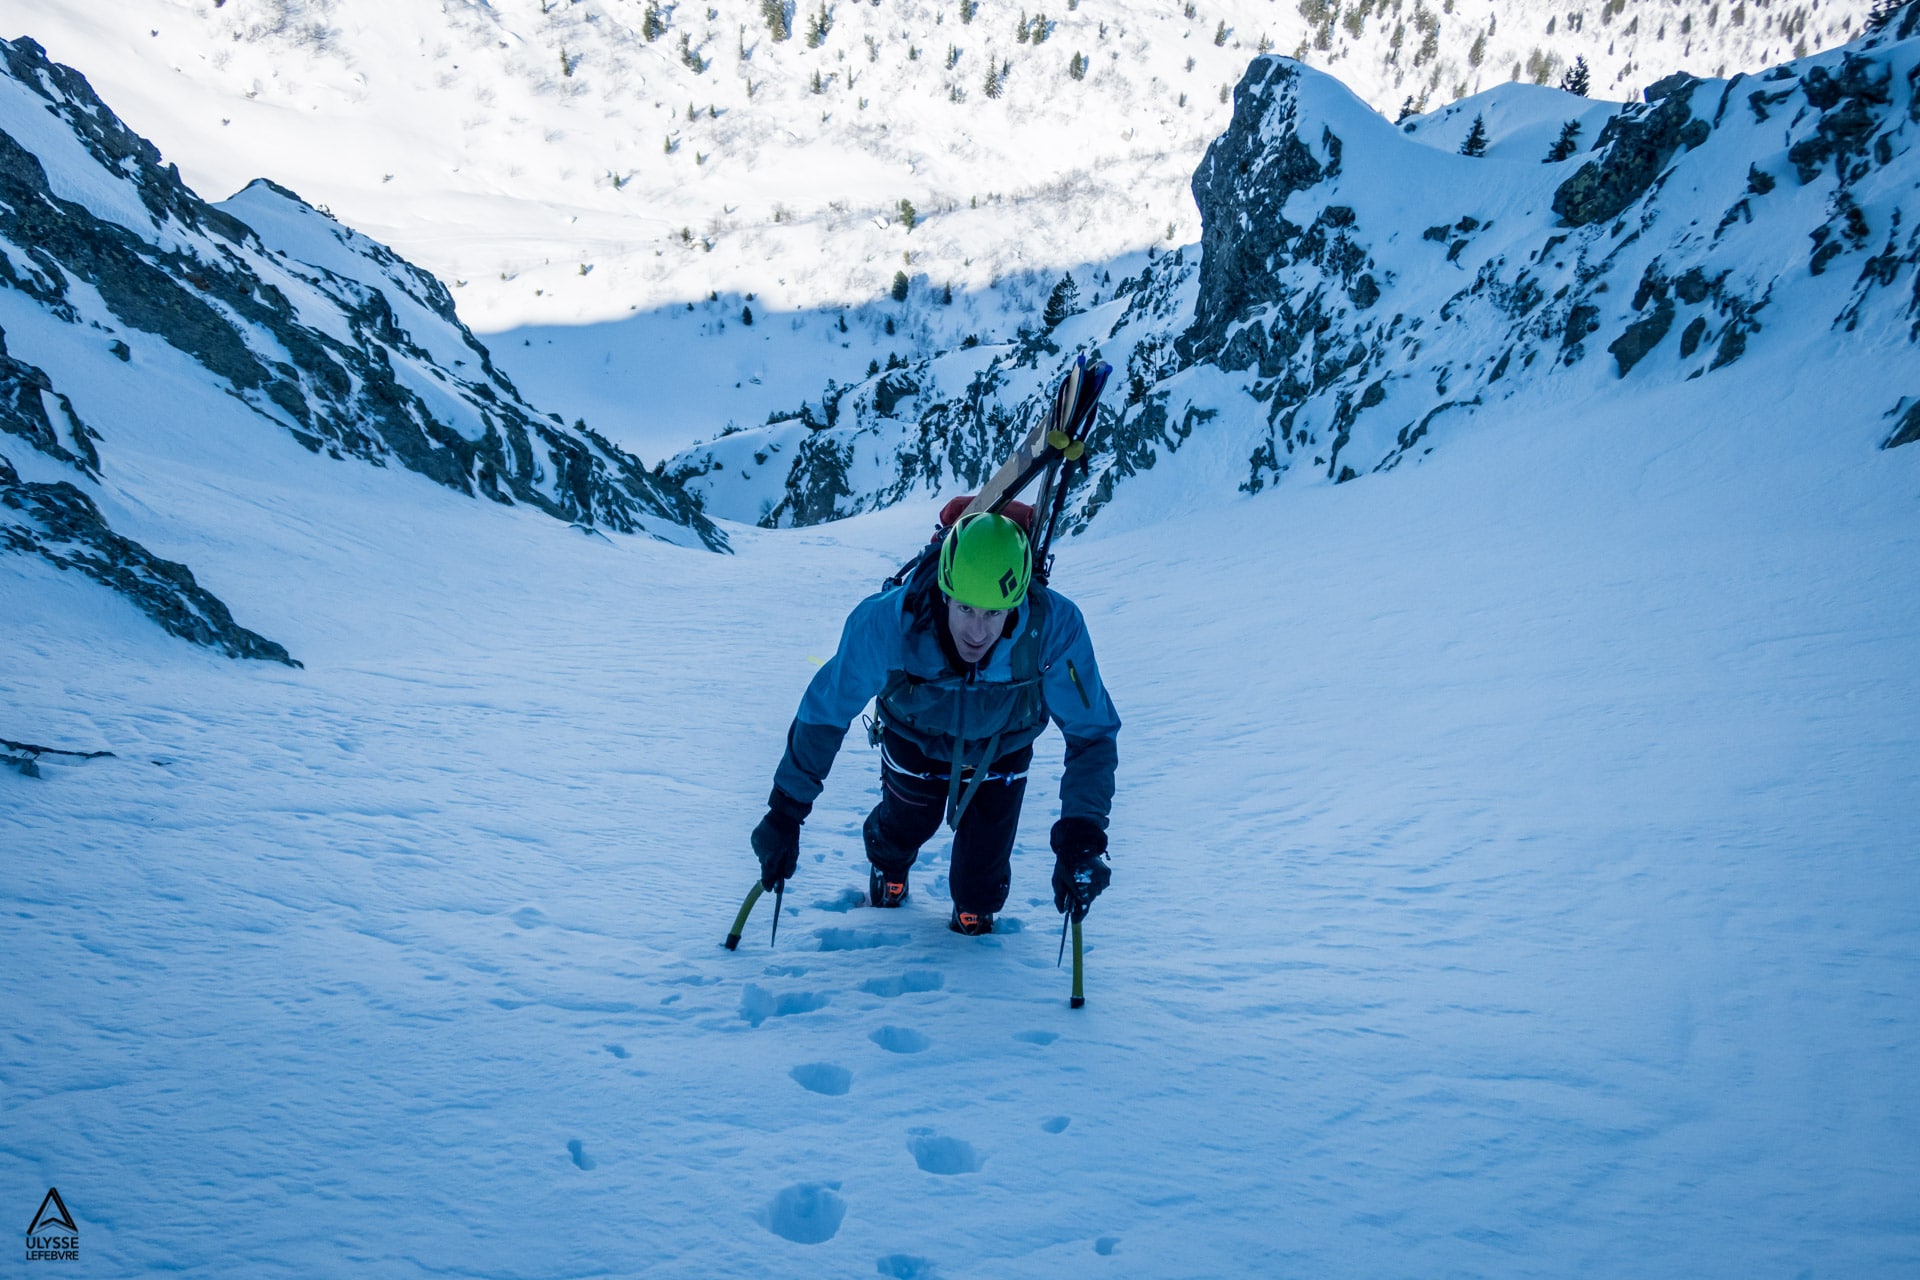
pixel 52 1213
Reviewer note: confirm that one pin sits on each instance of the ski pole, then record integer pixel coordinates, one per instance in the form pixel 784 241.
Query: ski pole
pixel 746 909
pixel 1079 989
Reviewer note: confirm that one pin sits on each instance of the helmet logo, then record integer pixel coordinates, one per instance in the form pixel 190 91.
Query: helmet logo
pixel 1008 584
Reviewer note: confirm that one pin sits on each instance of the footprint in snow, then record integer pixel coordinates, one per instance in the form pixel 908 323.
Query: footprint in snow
pixel 805 1213
pixel 904 1266
pixel 1105 1245
pixel 823 1077
pixel 900 1040
pixel 846 901
pixel 1055 1124
pixel 913 980
pixel 944 1156
pixel 1036 1037
pixel 581 1160
pixel 758 1004
pixel 529 917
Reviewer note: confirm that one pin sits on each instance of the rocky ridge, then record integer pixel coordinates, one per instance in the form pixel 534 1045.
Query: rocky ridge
pixel 321 332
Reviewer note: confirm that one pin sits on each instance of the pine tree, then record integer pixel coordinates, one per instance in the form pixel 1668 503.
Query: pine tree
pixel 746 315
pixel 1578 78
pixel 654 24
pixel 1220 34
pixel 908 217
pixel 1476 143
pixel 1564 146
pixel 1406 110
pixel 688 55
pixel 967 9
pixel 900 287
pixel 818 26
pixel 1077 66
pixel 994 84
pixel 775 13
pixel 1061 302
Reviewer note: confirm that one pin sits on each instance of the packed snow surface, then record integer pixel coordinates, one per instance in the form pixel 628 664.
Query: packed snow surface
pixel 1513 876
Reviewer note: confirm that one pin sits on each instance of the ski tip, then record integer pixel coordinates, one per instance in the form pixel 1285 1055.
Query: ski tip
pixel 1076 1002
pixel 1097 379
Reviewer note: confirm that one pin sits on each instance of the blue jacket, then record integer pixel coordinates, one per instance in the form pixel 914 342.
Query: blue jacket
pixel 891 634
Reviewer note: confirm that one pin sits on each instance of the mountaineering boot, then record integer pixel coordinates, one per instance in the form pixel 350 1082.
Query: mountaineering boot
pixel 884 890
pixel 971 923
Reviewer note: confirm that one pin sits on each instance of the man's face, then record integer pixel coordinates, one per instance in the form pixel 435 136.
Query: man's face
pixel 974 630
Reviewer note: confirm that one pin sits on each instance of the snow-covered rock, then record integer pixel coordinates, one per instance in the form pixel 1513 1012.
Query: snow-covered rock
pixel 1361 288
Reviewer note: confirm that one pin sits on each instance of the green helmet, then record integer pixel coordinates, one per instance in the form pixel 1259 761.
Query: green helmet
pixel 985 562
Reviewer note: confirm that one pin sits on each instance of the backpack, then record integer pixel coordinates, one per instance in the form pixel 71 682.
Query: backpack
pixel 1020 513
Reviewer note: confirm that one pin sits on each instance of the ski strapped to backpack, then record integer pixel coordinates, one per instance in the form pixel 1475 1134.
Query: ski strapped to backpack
pixel 1061 435
pixel 1057 441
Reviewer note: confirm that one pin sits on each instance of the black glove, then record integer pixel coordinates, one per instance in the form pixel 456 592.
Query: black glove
pixel 776 840
pixel 1079 870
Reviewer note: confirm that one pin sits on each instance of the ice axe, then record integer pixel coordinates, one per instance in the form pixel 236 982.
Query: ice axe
pixel 1079 999
pixel 746 909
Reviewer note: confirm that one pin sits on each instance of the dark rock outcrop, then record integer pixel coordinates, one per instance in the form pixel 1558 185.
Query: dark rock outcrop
pixel 1253 168
pixel 62 525
pixel 1634 147
pixel 24 393
pixel 1908 429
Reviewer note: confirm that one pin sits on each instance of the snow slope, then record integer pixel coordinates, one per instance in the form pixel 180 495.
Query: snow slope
pixel 1513 877
pixel 1513 868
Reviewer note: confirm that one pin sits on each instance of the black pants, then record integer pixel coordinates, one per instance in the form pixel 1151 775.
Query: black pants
pixel 913 804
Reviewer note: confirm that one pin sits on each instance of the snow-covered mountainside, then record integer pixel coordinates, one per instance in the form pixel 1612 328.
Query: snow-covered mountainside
pixel 561 161
pixel 1512 850
pixel 1361 289
pixel 131 308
